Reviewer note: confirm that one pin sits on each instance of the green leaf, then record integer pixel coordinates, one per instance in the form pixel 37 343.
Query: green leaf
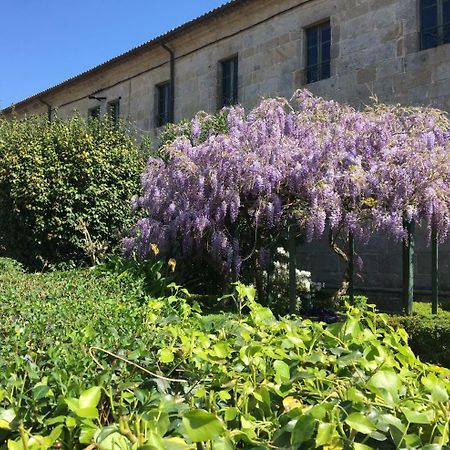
pixel 418 417
pixel 282 372
pixel 325 433
pixel 40 391
pixel 87 413
pixel 222 443
pixel 90 397
pixel 386 383
pixel 6 417
pixel 202 426
pixel 221 350
pixel 360 423
pixel 231 413
pixel 303 430
pixel 174 443
pixel 358 446
pixel 166 356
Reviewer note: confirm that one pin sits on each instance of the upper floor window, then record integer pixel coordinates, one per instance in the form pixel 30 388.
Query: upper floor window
pixel 163 103
pixel 318 45
pixel 94 113
pixel 229 94
pixel 114 110
pixel 434 23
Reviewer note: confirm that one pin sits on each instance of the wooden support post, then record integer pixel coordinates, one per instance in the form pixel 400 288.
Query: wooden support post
pixel 408 268
pixel 351 267
pixel 292 269
pixel 434 271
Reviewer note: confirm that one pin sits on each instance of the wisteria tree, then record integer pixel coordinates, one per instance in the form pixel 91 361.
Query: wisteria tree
pixel 284 169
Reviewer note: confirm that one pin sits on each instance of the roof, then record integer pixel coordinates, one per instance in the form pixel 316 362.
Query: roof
pixel 163 38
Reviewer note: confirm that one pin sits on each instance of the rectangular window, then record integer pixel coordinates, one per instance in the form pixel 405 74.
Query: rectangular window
pixel 229 94
pixel 434 23
pixel 114 110
pixel 318 46
pixel 163 111
pixel 94 113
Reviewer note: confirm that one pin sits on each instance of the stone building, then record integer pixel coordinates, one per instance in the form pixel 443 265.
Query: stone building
pixel 348 50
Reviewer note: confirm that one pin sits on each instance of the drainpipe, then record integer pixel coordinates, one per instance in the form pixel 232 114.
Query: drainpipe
pixel 172 83
pixel 49 109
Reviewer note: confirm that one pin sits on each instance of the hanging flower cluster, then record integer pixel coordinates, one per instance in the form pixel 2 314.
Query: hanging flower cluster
pixel 311 161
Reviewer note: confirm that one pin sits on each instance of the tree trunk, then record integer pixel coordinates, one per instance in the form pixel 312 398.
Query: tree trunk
pixel 343 289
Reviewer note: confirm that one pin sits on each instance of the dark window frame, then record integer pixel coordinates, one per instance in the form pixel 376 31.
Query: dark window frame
pixel 321 68
pixel 163 104
pixel 229 81
pixel 114 114
pixel 438 34
pixel 94 112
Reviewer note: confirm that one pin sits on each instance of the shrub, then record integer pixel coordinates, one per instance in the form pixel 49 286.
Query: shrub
pixel 65 188
pixel 98 367
pixel 429 335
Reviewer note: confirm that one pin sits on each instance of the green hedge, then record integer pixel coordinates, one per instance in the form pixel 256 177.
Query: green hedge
pixel 65 188
pixel 429 335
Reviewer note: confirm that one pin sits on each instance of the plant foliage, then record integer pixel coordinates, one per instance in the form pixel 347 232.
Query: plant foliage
pixel 99 370
pixel 65 188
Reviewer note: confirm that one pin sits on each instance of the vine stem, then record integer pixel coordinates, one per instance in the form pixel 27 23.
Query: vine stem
pixel 91 353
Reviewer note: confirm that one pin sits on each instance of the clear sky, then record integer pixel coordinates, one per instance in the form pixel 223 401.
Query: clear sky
pixel 44 42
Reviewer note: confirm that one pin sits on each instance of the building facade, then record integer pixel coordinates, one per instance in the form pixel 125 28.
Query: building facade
pixel 348 50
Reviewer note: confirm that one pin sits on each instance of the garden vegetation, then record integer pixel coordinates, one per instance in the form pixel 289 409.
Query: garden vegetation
pixel 65 189
pixel 90 361
pixel 122 357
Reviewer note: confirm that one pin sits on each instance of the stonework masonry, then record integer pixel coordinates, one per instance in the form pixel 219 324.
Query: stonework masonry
pixel 375 51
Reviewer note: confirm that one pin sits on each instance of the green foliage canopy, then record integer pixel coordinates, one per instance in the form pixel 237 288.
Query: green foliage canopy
pixel 65 188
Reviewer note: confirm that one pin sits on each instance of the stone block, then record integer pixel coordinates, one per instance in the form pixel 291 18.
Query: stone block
pixel 367 74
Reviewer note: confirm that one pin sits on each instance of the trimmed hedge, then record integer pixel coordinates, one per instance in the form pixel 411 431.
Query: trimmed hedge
pixel 429 335
pixel 65 188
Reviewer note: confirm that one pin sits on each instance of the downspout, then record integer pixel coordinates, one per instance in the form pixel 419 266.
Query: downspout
pixel 172 83
pixel 49 109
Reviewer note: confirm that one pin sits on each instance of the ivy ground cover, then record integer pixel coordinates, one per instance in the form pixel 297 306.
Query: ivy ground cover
pixel 87 360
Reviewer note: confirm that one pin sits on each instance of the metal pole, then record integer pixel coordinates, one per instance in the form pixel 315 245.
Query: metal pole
pixel 292 270
pixel 408 268
pixel 434 271
pixel 351 267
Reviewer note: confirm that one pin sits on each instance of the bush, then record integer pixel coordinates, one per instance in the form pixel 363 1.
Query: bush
pixel 429 335
pixel 83 364
pixel 65 188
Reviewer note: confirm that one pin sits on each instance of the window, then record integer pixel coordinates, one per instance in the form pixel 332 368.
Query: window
pixel 229 94
pixel 163 112
pixel 94 113
pixel 318 45
pixel 434 23
pixel 114 110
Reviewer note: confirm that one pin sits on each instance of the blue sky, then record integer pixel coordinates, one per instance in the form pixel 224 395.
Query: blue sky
pixel 43 42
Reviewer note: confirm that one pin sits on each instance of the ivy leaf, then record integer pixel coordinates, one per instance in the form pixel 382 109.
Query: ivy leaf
pixel 386 383
pixel 202 426
pixel 303 430
pixel 360 423
pixel 418 417
pixel 282 372
pixel 6 417
pixel 325 434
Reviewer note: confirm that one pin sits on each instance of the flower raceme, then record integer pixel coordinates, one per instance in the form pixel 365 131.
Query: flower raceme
pixel 310 160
